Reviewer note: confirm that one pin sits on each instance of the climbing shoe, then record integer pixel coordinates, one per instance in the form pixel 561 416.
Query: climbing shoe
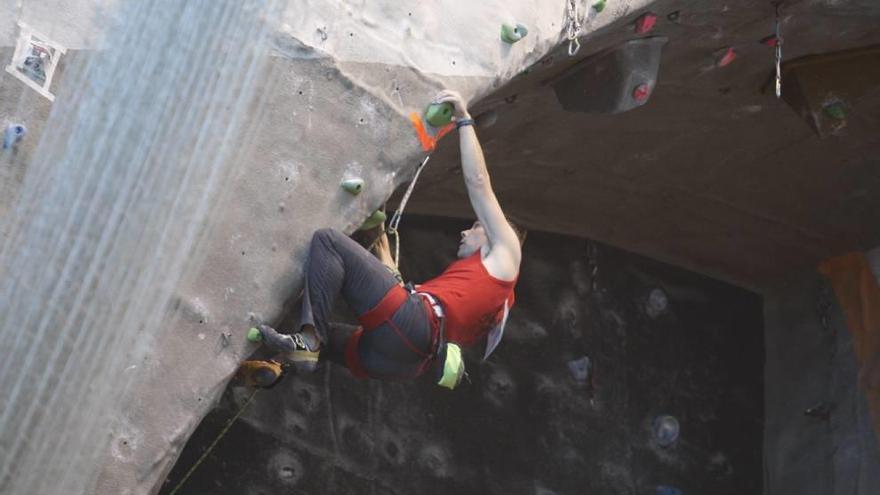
pixel 294 347
pixel 262 374
pixel 303 358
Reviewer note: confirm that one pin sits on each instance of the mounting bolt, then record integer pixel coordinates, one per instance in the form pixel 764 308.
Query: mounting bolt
pixel 822 411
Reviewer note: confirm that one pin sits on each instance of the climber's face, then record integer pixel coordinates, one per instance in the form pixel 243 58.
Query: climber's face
pixel 472 240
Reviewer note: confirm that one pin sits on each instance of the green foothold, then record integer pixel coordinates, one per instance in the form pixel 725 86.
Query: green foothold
pixel 599 6
pixel 835 111
pixel 374 220
pixel 354 186
pixel 512 34
pixel 254 335
pixel 439 114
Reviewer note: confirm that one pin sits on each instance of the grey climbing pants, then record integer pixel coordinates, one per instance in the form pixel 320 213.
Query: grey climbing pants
pixel 337 265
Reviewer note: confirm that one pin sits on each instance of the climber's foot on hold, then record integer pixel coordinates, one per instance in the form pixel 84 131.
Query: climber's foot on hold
pixel 302 348
pixel 262 374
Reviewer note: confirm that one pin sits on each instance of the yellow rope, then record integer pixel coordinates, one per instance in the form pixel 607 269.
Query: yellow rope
pixel 214 443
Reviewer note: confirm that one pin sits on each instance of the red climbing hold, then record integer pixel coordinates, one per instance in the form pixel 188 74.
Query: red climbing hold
pixel 771 41
pixel 641 92
pixel 727 56
pixel 646 23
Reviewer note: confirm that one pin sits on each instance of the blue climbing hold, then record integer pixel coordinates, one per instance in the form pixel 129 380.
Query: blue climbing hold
pixel 666 429
pixel 667 490
pixel 13 134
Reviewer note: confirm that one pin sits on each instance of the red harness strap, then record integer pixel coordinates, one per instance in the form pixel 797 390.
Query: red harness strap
pixel 377 316
pixel 385 309
pixel 352 360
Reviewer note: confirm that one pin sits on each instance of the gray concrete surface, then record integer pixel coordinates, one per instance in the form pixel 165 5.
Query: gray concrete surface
pixel 810 365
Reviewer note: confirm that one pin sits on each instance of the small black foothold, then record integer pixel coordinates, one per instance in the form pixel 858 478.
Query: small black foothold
pixel 821 411
pixel 674 16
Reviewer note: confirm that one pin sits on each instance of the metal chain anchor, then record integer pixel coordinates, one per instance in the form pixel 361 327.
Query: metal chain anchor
pixel 574 27
pixel 778 53
pixel 395 219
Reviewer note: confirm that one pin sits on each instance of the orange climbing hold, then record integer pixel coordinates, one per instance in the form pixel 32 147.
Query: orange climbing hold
pixel 858 294
pixel 428 142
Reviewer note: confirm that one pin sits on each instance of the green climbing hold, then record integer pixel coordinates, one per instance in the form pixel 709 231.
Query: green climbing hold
pixel 599 6
pixel 354 186
pixel 254 335
pixel 835 111
pixel 512 34
pixel 439 114
pixel 374 220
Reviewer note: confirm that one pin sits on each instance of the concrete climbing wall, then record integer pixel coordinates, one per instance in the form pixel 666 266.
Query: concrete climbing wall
pixel 818 437
pixel 335 103
pixel 524 423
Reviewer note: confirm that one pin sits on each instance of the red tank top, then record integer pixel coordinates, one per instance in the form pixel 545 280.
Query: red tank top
pixel 473 300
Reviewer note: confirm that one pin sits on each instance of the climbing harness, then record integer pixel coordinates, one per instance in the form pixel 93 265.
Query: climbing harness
pixel 215 442
pixel 574 27
pixel 395 219
pixel 382 314
pixel 778 53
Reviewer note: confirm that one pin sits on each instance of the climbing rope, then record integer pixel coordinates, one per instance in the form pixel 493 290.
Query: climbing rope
pixel 574 27
pixel 395 219
pixel 214 443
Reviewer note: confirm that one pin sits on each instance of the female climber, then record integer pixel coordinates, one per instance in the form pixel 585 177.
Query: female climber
pixel 410 331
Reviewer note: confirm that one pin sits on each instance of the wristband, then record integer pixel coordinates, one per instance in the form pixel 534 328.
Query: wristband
pixel 463 122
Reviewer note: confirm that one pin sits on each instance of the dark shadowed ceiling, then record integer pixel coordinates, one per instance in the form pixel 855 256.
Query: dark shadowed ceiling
pixel 713 173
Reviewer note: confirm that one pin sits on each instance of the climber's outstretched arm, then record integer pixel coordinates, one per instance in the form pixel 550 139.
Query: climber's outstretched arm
pixel 504 245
